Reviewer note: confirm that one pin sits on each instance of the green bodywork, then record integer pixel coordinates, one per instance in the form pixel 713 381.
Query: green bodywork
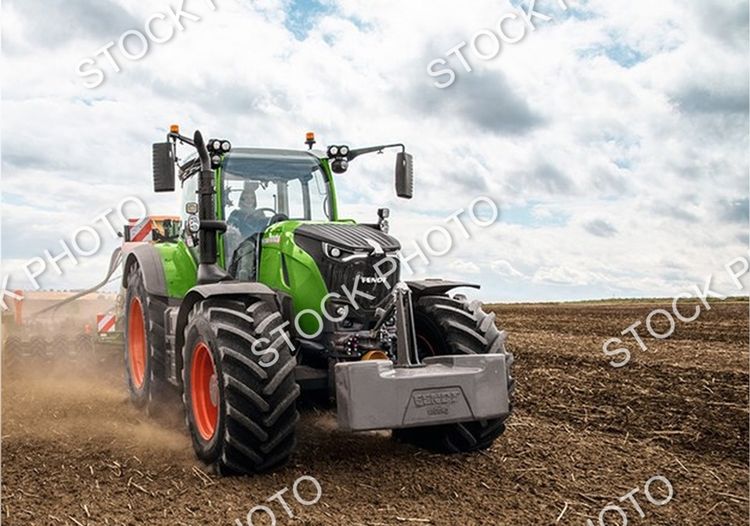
pixel 305 285
pixel 180 267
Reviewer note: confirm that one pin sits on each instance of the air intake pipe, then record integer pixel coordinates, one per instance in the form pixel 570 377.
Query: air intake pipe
pixel 208 270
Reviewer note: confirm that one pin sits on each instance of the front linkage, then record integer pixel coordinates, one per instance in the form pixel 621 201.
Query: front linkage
pixel 412 391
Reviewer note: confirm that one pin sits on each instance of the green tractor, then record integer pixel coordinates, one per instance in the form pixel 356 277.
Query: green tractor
pixel 263 292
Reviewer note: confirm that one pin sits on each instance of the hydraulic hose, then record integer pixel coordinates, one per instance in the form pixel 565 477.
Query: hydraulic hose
pixel 114 262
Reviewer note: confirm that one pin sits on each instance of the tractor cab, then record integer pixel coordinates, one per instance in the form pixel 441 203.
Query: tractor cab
pixel 256 188
pixel 262 187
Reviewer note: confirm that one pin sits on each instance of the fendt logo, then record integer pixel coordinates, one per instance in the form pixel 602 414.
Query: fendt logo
pixel 436 398
pixel 372 280
pixel 436 402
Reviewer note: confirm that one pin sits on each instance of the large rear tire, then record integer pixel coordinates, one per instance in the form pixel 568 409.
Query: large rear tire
pixel 145 355
pixel 240 396
pixel 446 326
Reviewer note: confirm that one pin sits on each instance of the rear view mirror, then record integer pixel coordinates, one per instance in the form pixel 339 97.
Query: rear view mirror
pixel 404 175
pixel 163 162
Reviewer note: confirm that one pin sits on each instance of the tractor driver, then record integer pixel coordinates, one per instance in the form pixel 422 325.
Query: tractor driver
pixel 249 222
pixel 247 218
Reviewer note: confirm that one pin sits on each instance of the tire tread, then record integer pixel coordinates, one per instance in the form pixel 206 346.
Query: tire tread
pixel 466 329
pixel 261 414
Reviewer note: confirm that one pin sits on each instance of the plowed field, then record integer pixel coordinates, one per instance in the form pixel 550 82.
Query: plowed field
pixel 75 452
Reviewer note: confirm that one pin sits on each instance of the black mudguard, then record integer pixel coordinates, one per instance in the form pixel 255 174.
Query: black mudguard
pixel 151 267
pixel 427 287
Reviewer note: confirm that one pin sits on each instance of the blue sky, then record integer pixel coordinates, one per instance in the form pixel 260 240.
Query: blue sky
pixel 302 15
pixel 613 138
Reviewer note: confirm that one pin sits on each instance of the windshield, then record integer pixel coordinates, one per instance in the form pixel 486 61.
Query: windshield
pixel 259 184
pixel 268 182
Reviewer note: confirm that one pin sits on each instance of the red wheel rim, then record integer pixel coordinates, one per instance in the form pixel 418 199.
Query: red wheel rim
pixel 136 343
pixel 204 391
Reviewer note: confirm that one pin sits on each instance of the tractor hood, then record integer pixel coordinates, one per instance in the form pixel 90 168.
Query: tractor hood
pixel 349 237
pixel 349 256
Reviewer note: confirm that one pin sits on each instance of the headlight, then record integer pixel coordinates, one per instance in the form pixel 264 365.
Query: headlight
pixel 339 166
pixel 226 146
pixel 344 150
pixel 333 151
pixel 194 224
pixel 332 251
pixel 216 146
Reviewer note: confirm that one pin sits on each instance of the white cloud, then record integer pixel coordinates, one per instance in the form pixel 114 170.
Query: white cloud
pixel 565 276
pixel 505 269
pixel 464 267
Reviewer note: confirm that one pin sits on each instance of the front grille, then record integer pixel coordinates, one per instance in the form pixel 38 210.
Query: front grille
pixel 338 274
pixel 352 239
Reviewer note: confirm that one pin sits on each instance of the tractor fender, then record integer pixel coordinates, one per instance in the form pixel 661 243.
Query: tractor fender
pixel 226 289
pixel 427 287
pixel 150 263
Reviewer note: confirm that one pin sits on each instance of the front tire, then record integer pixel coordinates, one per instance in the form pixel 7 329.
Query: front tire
pixel 240 396
pixel 446 326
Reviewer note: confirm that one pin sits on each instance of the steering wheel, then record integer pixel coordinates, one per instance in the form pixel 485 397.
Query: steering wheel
pixel 277 218
pixel 263 210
